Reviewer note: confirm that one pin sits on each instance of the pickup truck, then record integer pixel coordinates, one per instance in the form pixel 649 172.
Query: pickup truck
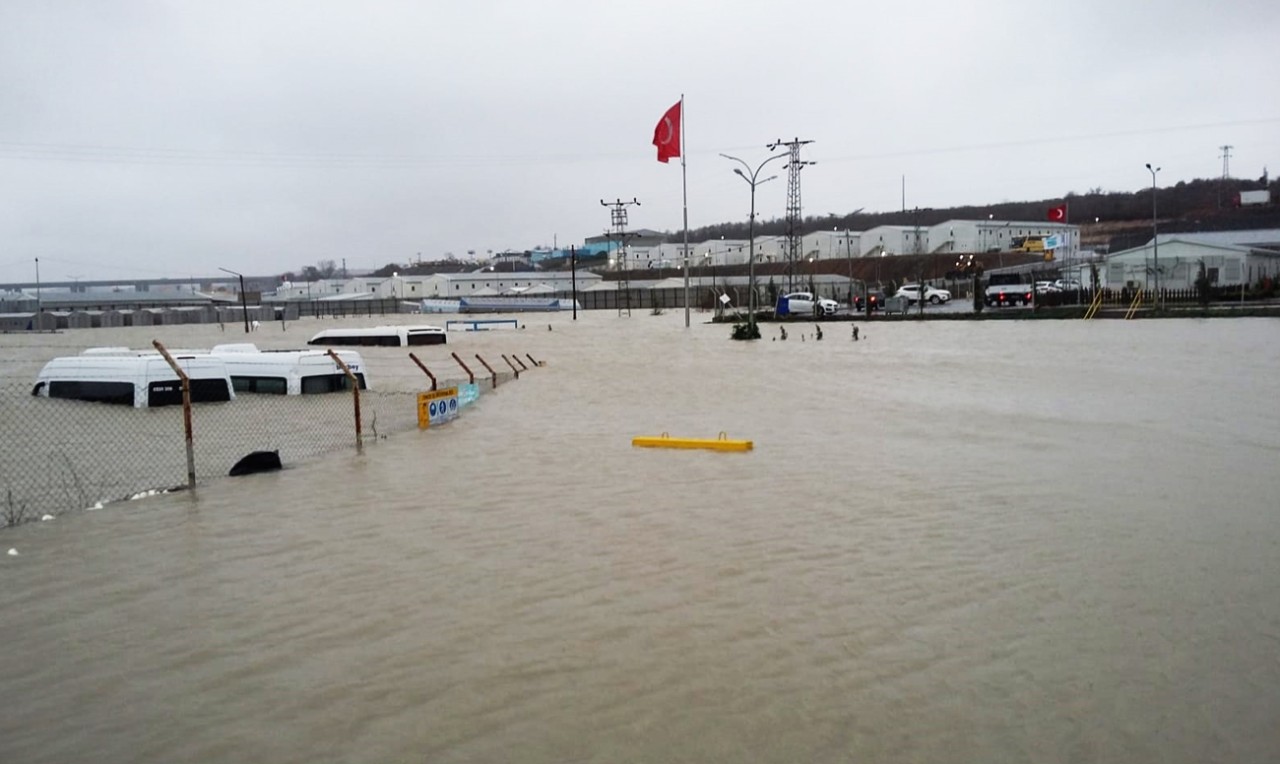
pixel 875 297
pixel 1009 289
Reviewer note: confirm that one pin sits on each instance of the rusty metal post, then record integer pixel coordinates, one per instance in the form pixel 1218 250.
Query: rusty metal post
pixel 522 366
pixel 512 365
pixel 470 375
pixel 493 374
pixel 535 363
pixel 422 366
pixel 186 412
pixel 355 392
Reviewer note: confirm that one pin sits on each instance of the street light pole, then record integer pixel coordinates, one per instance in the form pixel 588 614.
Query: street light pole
pixel 1155 236
pixel 39 307
pixel 244 307
pixel 751 176
pixel 573 278
pixel 848 254
pixel 716 303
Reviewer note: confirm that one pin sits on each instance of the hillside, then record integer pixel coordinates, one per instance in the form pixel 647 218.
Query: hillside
pixel 1108 220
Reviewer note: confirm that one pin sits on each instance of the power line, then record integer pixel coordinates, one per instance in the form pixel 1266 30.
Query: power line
pixel 1051 140
pixel 53 152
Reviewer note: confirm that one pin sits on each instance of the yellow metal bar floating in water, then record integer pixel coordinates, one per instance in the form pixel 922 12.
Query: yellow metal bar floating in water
pixel 722 443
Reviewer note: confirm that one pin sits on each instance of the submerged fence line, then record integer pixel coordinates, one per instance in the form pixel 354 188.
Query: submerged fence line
pixel 61 455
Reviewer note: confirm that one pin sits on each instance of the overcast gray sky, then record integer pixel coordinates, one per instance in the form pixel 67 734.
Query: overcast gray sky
pixel 142 139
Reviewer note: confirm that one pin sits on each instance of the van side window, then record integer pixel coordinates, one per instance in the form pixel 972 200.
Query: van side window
pixel 169 392
pixel 103 392
pixel 329 383
pixel 267 385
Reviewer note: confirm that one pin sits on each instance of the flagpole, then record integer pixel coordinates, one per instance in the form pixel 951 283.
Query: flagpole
pixel 684 185
pixel 1066 221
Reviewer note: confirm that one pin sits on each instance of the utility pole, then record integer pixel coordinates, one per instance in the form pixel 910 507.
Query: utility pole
pixel 573 278
pixel 244 305
pixel 794 220
pixel 618 221
pixel 848 255
pixel 39 307
pixel 1155 234
pixel 919 262
pixel 1226 172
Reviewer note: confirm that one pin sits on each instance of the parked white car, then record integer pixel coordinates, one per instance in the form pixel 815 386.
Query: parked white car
pixel 912 293
pixel 805 304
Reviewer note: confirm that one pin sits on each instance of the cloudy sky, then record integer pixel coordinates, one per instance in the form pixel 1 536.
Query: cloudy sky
pixel 171 138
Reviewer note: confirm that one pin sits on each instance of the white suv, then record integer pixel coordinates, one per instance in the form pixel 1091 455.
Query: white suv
pixel 912 293
pixel 805 304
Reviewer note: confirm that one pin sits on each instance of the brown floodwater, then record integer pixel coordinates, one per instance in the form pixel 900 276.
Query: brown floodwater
pixel 953 541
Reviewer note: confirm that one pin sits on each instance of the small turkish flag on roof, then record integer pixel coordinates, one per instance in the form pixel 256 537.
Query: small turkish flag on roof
pixel 1058 214
pixel 666 136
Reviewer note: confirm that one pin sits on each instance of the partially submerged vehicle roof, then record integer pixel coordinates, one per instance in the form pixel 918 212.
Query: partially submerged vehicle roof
pixel 140 380
pixel 423 334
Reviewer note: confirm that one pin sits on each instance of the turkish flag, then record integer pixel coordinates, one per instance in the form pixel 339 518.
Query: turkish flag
pixel 666 136
pixel 1058 214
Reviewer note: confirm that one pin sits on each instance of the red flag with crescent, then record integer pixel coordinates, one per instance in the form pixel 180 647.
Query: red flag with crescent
pixel 666 136
pixel 1058 214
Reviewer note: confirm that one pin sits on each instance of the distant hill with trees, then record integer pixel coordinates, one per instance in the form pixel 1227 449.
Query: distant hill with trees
pixel 1108 220
pixel 1114 219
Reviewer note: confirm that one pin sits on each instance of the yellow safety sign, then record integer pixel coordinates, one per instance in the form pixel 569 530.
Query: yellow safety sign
pixel 437 406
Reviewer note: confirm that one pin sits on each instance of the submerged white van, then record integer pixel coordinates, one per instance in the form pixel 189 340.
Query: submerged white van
pixel 138 380
pixel 393 336
pixel 288 372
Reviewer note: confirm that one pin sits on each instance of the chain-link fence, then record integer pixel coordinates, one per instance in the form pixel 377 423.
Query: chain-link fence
pixel 59 455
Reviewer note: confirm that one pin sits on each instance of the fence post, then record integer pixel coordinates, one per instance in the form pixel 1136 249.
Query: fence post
pixel 355 392
pixel 470 376
pixel 425 369
pixel 512 365
pixel 493 374
pixel 186 412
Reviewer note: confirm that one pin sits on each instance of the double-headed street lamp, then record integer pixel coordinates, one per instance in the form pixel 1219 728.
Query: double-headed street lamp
pixel 751 177
pixel 1155 236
